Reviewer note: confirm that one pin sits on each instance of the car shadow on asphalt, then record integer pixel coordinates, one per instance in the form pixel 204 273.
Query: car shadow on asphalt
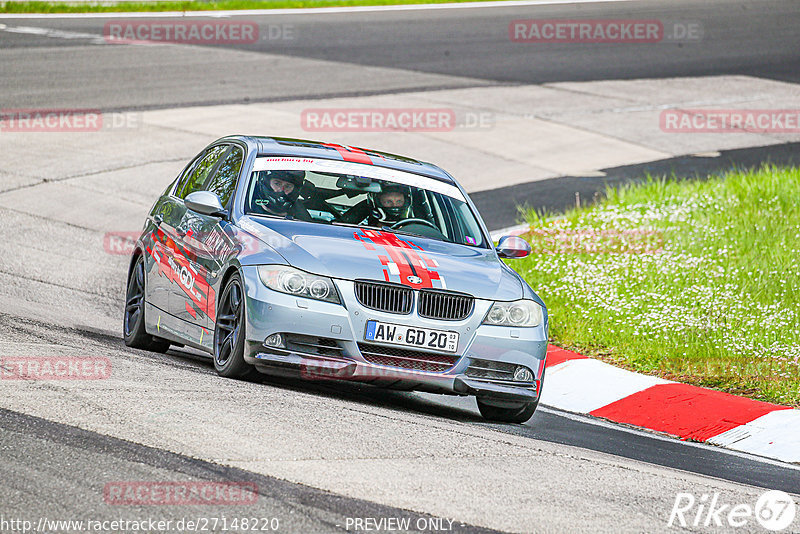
pixel 192 359
pixel 361 393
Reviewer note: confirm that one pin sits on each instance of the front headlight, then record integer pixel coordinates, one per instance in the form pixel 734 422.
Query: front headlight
pixel 515 313
pixel 296 282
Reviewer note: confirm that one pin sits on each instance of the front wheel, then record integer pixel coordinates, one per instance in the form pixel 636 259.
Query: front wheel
pixel 229 333
pixel 507 414
pixel 133 329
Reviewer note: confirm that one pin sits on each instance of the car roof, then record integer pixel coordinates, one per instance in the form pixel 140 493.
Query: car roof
pixel 283 146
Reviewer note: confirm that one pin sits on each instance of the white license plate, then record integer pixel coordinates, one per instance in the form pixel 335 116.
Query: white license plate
pixel 411 336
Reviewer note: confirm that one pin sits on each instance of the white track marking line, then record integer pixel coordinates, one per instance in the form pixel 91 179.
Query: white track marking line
pixel 56 34
pixel 303 11
pixel 775 434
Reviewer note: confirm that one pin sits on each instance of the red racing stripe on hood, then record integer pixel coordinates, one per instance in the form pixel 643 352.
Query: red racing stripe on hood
pixel 403 259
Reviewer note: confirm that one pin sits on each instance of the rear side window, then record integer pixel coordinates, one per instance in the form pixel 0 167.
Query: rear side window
pixel 223 183
pixel 201 171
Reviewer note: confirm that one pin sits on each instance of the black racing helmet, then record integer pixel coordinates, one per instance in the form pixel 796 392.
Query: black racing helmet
pixel 278 201
pixel 391 214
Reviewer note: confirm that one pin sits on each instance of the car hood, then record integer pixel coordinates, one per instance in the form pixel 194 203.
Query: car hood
pixel 359 253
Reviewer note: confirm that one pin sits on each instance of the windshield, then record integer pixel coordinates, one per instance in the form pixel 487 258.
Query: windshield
pixel 352 194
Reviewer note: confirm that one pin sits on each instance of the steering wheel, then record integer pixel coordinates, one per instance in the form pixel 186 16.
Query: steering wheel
pixel 404 222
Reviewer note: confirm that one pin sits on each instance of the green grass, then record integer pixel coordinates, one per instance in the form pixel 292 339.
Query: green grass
pixel 195 5
pixel 694 281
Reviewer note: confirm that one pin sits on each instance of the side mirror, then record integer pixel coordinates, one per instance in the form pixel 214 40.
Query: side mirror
pixel 511 246
pixel 205 202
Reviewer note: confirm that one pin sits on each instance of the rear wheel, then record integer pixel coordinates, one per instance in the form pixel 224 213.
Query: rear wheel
pixel 507 414
pixel 229 333
pixel 133 329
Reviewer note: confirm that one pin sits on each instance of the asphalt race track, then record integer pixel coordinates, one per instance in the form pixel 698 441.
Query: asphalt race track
pixel 414 50
pixel 321 455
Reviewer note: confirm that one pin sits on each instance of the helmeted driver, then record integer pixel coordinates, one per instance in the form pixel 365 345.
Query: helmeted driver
pixel 391 205
pixel 277 193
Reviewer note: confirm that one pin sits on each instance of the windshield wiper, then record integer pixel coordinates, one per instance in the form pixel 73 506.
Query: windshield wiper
pixel 349 225
pixel 404 232
pixel 388 229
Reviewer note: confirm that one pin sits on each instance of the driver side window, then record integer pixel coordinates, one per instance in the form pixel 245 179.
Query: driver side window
pixel 201 171
pixel 223 183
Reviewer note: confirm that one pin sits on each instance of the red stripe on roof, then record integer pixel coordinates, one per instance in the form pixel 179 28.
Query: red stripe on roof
pixel 686 411
pixel 354 155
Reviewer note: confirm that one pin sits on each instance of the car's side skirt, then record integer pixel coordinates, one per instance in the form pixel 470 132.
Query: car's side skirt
pixel 161 324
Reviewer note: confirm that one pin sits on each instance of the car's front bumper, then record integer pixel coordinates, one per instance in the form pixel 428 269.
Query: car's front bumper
pixel 329 337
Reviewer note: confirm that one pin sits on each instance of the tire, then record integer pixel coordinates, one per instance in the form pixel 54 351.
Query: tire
pixel 518 414
pixel 133 329
pixel 229 333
